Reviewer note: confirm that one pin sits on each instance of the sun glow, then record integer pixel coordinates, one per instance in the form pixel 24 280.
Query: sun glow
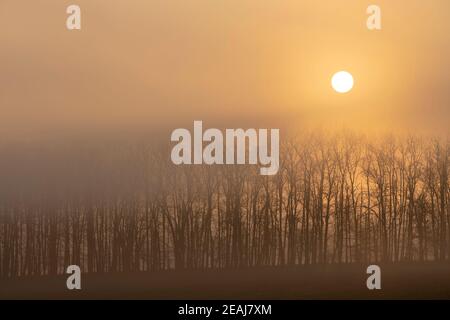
pixel 342 82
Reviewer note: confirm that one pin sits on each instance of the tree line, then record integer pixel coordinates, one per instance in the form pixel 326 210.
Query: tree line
pixel 336 199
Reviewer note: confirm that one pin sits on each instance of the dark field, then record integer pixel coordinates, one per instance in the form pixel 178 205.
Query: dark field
pixel 398 281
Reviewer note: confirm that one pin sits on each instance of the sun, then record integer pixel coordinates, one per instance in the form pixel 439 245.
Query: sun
pixel 342 82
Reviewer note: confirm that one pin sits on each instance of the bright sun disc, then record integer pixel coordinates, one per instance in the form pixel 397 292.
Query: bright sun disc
pixel 342 82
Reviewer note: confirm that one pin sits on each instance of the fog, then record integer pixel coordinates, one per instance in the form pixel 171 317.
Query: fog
pixel 140 66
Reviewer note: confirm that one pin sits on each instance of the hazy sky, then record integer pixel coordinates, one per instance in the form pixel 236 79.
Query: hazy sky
pixel 165 63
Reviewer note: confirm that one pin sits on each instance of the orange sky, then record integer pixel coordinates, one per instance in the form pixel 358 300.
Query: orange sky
pixel 165 63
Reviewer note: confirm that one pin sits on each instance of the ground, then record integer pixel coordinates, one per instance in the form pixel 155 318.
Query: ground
pixel 398 281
